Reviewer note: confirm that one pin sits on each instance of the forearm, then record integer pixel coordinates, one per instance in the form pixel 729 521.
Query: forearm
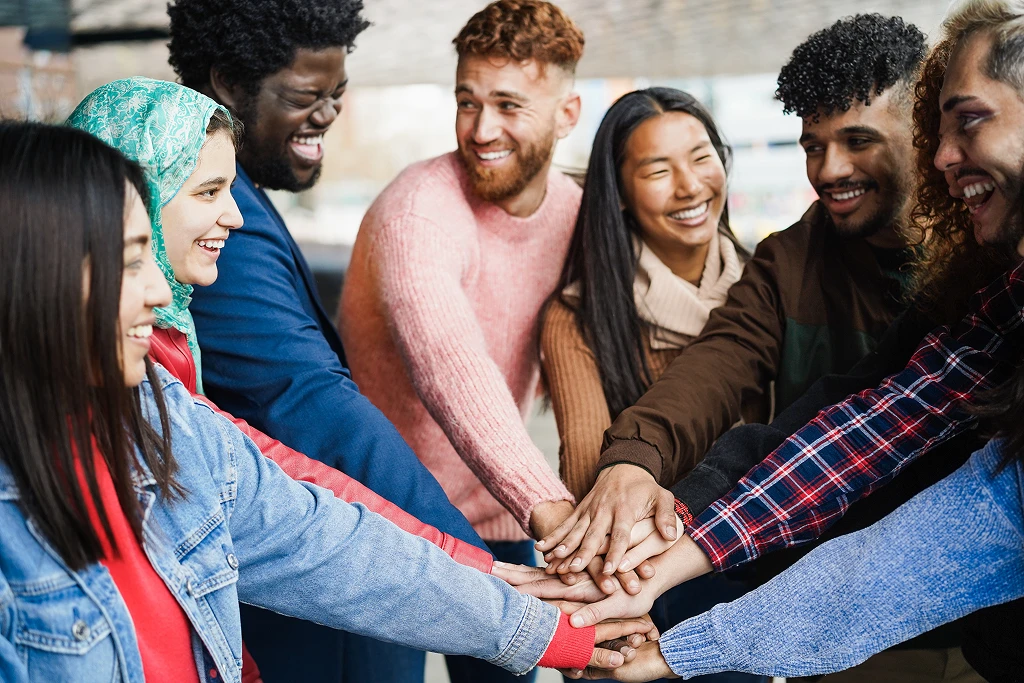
pixel 945 565
pixel 356 563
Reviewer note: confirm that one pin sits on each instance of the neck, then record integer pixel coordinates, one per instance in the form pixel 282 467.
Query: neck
pixel 894 235
pixel 684 261
pixel 529 200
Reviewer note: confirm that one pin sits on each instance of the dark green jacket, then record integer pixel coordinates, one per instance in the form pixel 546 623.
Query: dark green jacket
pixel 809 303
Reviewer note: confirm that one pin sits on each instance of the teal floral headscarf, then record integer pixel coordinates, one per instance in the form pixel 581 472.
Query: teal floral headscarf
pixel 162 126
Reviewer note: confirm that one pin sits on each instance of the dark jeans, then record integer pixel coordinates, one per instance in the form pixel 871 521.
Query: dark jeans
pixel 470 670
pixel 696 597
pixel 288 650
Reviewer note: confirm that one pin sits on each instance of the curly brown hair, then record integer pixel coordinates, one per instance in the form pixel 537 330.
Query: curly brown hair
pixel 521 30
pixel 952 265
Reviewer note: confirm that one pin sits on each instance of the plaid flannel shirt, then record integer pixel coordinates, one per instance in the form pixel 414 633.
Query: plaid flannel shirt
pixel 852 448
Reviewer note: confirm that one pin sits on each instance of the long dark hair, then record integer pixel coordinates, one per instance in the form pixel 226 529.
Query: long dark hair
pixel 601 256
pixel 1003 408
pixel 63 198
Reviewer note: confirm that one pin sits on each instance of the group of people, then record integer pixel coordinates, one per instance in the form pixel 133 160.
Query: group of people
pixel 202 478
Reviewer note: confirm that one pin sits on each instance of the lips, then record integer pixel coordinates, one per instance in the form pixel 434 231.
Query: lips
pixel 692 216
pixel 307 147
pixel 212 246
pixel 843 200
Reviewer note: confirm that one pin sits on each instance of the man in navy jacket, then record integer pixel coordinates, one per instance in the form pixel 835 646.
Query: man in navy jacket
pixel 270 353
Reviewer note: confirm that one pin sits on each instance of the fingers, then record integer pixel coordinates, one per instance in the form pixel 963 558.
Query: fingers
pixel 616 629
pixel 550 541
pixel 620 645
pixel 516 574
pixel 629 581
pixel 592 540
pixel 653 546
pixel 621 531
pixel 570 542
pixel 605 583
pixel 645 570
pixel 606 659
pixel 665 515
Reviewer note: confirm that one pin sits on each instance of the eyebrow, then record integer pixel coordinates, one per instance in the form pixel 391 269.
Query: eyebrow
pixel 212 182
pixel 655 160
pixel 141 240
pixel 847 130
pixel 314 91
pixel 500 94
pixel 949 104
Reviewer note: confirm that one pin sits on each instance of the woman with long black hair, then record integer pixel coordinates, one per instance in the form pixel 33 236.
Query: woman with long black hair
pixel 652 255
pixel 133 519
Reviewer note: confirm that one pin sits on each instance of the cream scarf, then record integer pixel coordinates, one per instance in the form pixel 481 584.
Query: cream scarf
pixel 675 310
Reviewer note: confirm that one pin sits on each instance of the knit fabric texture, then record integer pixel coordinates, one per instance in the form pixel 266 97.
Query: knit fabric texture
pixel 440 321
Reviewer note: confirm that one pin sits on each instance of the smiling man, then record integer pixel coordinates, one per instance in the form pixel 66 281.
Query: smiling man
pixel 271 354
pixel 451 268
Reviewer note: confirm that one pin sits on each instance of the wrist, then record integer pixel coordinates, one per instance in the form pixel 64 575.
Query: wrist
pixel 547 515
pixel 683 561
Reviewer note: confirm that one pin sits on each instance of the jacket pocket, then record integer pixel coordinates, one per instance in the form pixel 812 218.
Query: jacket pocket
pixel 62 634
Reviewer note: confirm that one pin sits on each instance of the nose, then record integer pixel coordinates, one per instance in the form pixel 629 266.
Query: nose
pixel 835 166
pixel 688 183
pixel 948 155
pixel 326 113
pixel 158 292
pixel 232 217
pixel 486 128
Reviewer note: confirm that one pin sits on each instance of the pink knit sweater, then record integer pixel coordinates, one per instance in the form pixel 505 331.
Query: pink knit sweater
pixel 440 321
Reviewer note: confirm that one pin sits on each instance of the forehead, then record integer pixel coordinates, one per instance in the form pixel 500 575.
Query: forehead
pixel 136 224
pixel 672 133
pixel 879 115
pixel 486 75
pixel 965 70
pixel 313 68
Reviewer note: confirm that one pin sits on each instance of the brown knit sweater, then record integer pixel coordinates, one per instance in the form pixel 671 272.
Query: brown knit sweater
pixel 574 384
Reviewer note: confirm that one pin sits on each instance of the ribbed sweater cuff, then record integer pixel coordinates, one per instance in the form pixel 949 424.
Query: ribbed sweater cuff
pixel 692 648
pixel 570 647
pixel 634 452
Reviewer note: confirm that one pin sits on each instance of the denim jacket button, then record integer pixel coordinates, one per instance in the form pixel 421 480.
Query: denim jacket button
pixel 188 587
pixel 232 561
pixel 80 630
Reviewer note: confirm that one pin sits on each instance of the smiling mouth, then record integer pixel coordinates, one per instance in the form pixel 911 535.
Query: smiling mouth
pixel 308 147
pixel 212 246
pixel 493 156
pixel 694 216
pixel 141 332
pixel 976 195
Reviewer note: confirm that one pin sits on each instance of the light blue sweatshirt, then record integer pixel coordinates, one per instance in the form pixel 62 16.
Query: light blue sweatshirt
pixel 955 548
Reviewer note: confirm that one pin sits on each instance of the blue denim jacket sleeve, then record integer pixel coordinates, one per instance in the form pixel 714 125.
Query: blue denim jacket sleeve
pixel 955 548
pixel 272 357
pixel 304 553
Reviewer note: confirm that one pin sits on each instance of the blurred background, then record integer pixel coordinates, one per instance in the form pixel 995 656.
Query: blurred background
pixel 400 108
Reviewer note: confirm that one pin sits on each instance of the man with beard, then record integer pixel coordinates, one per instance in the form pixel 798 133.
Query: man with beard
pixel 270 352
pixel 450 270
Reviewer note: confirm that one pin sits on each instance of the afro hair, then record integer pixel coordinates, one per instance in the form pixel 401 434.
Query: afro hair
pixel 854 59
pixel 248 40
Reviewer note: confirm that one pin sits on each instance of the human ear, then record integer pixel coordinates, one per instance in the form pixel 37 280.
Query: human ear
pixel 568 115
pixel 224 92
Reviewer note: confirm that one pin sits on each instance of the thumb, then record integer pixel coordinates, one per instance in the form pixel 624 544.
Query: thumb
pixel 665 515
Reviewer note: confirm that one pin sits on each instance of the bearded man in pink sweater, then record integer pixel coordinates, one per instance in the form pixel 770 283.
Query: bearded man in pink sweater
pixel 453 263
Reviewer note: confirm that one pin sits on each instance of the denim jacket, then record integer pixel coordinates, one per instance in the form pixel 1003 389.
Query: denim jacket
pixel 247 532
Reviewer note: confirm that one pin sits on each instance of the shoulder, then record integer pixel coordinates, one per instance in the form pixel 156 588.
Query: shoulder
pixel 431 190
pixel 180 403
pixel 560 328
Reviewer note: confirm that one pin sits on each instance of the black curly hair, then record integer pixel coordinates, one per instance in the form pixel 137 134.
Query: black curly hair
pixel 854 59
pixel 248 40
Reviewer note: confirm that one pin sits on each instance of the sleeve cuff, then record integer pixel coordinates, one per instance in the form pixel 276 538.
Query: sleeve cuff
pixel 634 452
pixel 683 512
pixel 570 648
pixel 691 648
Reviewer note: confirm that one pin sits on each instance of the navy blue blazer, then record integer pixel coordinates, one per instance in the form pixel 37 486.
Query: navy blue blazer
pixel 272 356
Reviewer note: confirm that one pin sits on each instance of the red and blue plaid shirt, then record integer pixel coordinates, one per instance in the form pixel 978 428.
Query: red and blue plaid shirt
pixel 856 446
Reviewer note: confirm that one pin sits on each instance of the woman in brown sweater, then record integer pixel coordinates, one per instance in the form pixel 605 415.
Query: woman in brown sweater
pixel 652 254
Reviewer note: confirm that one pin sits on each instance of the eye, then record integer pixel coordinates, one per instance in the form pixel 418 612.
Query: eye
pixel 702 158
pixel 658 173
pixel 465 104
pixel 967 120
pixel 508 106
pixel 812 149
pixel 859 141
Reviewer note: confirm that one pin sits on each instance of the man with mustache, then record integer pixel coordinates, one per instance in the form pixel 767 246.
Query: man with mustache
pixel 451 267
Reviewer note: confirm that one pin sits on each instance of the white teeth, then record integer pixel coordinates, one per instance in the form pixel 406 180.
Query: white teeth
pixel 690 213
pixel 850 194
pixel 212 244
pixel 141 331
pixel 978 188
pixel 308 139
pixel 491 156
